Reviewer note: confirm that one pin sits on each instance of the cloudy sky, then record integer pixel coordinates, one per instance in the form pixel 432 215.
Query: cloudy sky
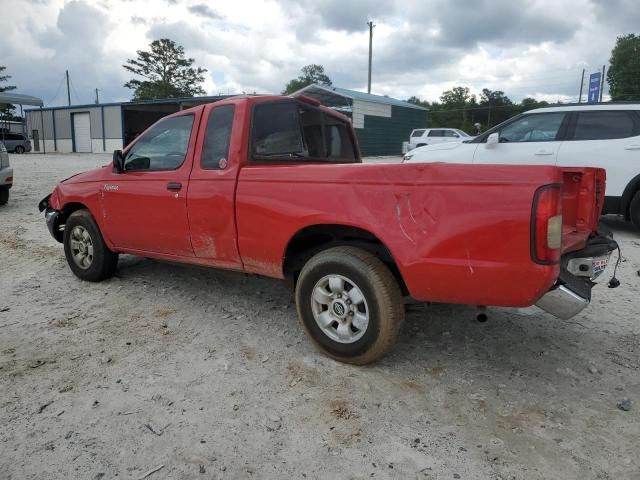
pixel 524 47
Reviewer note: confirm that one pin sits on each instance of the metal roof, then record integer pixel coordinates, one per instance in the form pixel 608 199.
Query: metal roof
pixel 137 102
pixel 328 95
pixel 20 99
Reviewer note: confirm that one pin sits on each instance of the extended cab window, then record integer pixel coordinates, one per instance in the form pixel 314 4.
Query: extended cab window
pixel 217 137
pixel 299 132
pixel 537 127
pixel 163 147
pixel 605 125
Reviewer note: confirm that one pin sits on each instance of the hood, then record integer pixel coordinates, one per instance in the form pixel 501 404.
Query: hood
pixel 438 146
pixel 88 176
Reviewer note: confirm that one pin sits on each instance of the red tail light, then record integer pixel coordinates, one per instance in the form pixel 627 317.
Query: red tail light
pixel 546 225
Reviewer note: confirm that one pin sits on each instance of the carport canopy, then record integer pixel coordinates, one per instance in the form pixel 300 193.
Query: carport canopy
pixel 20 99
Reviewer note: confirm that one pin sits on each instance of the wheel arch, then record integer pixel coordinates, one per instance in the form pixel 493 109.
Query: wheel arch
pixel 313 239
pixel 630 191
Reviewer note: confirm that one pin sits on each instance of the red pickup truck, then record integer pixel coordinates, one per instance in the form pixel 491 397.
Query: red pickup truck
pixel 275 186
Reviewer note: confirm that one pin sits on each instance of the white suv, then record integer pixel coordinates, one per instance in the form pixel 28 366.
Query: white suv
pixel 603 135
pixel 429 136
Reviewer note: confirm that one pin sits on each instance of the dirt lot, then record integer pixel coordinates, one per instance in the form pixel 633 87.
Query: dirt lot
pixel 207 374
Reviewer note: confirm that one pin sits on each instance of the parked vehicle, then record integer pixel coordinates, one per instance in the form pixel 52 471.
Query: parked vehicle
pixel 431 136
pixel 16 142
pixel 275 186
pixel 6 175
pixel 600 135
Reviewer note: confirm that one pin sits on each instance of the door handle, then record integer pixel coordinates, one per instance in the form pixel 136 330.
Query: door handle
pixel 174 186
pixel 632 147
pixel 544 152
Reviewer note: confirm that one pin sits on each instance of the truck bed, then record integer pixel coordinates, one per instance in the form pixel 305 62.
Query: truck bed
pixel 446 224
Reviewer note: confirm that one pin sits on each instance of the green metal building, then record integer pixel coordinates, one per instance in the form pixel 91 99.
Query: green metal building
pixel 382 123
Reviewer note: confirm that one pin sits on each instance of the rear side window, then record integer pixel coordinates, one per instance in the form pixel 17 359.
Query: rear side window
pixel 605 125
pixel 417 133
pixel 276 130
pixel 294 131
pixel 217 137
pixel 436 133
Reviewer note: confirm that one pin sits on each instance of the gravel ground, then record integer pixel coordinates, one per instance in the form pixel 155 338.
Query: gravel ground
pixel 207 374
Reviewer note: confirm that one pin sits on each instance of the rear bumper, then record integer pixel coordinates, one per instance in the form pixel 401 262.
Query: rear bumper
pixel 572 292
pixel 6 177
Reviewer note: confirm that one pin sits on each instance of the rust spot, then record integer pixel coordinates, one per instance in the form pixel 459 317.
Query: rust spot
pixel 254 265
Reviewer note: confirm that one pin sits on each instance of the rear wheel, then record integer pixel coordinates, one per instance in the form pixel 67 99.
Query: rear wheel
pixel 4 195
pixel 87 254
pixel 421 145
pixel 634 210
pixel 19 149
pixel 350 304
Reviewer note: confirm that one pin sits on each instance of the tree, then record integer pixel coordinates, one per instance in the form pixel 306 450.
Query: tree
pixel 166 72
pixel 310 74
pixel 529 103
pixel 6 110
pixel 624 68
pixel 499 108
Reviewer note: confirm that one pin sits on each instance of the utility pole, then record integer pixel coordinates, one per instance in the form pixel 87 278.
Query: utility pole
pixel 97 98
pixel 602 83
pixel 66 72
pixel 581 86
pixel 371 25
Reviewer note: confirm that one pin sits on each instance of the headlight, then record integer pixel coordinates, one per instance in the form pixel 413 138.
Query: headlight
pixel 406 158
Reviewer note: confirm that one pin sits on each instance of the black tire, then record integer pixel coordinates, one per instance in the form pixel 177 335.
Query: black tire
pixel 634 210
pixel 19 149
pixel 382 303
pixel 4 195
pixel 102 262
pixel 421 145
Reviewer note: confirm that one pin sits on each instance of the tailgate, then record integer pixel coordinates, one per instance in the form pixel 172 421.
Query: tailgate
pixel 583 191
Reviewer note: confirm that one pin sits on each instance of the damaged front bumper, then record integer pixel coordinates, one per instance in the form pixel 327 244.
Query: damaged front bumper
pixel 572 292
pixel 52 217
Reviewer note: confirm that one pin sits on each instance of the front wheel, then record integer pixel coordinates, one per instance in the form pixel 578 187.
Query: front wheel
pixel 634 210
pixel 19 149
pixel 350 304
pixel 87 254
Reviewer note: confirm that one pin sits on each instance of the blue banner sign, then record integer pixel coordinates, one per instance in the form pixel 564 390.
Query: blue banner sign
pixel 594 87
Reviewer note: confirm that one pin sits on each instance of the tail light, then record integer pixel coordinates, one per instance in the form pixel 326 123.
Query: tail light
pixel 546 225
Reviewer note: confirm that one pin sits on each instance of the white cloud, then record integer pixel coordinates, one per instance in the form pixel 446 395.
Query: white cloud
pixel 523 47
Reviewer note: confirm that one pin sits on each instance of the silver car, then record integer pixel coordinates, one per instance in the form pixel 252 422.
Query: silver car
pixel 6 175
pixel 16 142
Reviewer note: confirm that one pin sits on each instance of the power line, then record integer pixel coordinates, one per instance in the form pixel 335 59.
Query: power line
pixel 57 91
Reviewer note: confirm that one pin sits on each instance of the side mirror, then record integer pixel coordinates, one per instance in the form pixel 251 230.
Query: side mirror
pixel 118 161
pixel 493 139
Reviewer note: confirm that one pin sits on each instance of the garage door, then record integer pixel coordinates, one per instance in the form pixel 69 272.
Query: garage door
pixel 82 132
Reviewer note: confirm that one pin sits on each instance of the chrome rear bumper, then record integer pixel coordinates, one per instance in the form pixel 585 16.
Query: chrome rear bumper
pixel 563 303
pixel 572 291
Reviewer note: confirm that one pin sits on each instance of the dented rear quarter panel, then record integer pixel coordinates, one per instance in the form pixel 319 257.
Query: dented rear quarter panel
pixel 458 233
